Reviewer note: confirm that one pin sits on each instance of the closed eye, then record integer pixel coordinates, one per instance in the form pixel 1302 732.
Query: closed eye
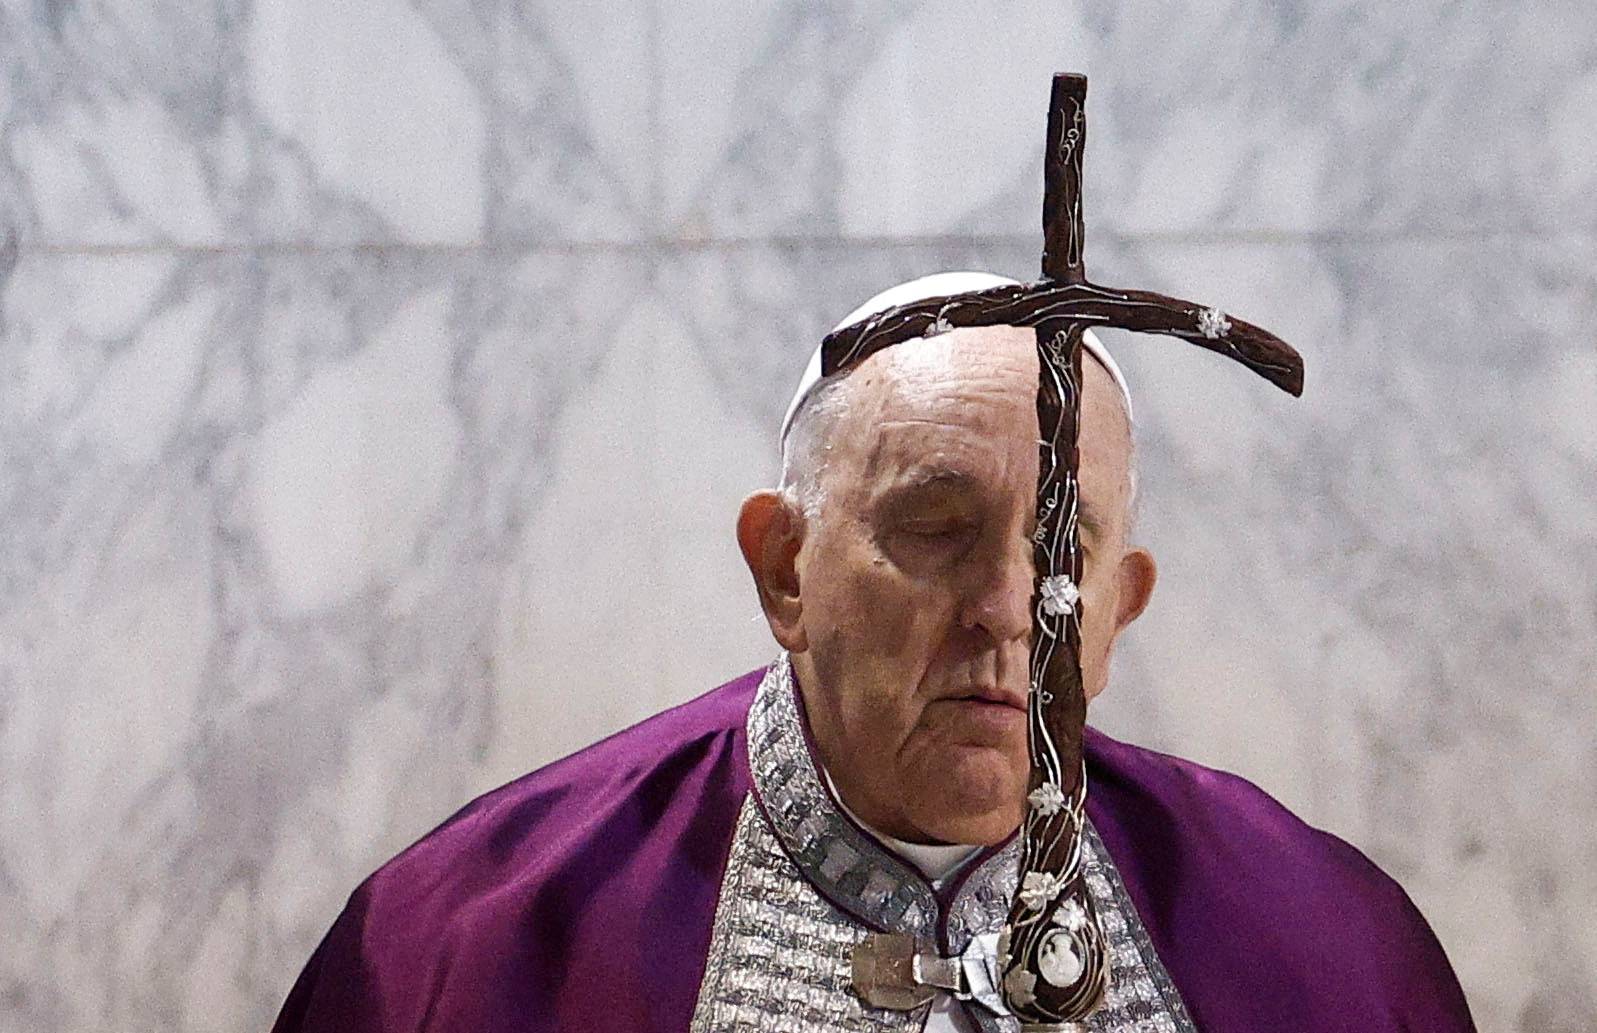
pixel 936 531
pixel 937 544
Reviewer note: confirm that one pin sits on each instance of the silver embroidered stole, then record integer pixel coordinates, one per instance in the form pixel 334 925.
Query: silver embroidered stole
pixel 804 885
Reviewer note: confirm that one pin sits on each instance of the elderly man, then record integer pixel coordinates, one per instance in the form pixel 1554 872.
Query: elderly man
pixel 714 867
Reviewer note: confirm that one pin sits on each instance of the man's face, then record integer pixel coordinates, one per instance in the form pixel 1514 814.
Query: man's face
pixel 916 580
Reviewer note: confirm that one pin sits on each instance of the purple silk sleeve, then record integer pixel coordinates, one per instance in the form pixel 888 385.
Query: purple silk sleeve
pixel 1263 922
pixel 578 897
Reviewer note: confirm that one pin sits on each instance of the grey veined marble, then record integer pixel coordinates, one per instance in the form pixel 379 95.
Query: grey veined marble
pixel 365 366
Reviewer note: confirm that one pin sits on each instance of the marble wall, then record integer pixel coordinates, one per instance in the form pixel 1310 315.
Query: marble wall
pixel 378 380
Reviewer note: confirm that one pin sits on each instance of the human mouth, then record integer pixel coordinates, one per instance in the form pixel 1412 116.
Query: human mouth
pixel 991 695
pixel 986 719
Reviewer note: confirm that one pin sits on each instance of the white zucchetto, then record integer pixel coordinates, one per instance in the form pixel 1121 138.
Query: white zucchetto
pixel 935 286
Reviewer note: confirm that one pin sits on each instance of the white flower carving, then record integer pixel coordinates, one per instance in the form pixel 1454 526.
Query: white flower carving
pixel 1020 987
pixel 1047 799
pixel 1212 323
pixel 1039 888
pixel 1059 594
pixel 1071 915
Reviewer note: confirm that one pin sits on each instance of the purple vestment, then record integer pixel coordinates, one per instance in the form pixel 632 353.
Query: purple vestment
pixel 582 897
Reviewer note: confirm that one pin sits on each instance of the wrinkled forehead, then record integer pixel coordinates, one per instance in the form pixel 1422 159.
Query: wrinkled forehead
pixel 984 365
pixel 964 403
pixel 955 412
pixel 988 357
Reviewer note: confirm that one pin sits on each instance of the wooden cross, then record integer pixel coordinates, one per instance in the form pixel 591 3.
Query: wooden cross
pixel 1054 958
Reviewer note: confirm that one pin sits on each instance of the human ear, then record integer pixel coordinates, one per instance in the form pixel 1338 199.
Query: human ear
pixel 1135 577
pixel 769 532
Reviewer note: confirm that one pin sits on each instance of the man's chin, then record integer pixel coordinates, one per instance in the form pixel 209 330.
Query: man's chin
pixel 985 829
pixel 975 798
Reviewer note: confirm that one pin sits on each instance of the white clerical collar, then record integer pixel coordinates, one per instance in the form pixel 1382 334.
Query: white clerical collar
pixel 937 861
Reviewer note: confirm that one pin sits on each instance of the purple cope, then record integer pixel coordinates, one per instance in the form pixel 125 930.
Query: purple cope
pixel 581 897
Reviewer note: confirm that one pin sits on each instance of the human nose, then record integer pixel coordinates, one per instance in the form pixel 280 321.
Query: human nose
pixel 1000 594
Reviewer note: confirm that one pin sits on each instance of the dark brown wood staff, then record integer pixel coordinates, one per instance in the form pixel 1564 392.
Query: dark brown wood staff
pixel 1053 955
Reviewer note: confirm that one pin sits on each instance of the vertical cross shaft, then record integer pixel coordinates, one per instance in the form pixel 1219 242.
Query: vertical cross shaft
pixel 1057 964
pixel 1064 232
